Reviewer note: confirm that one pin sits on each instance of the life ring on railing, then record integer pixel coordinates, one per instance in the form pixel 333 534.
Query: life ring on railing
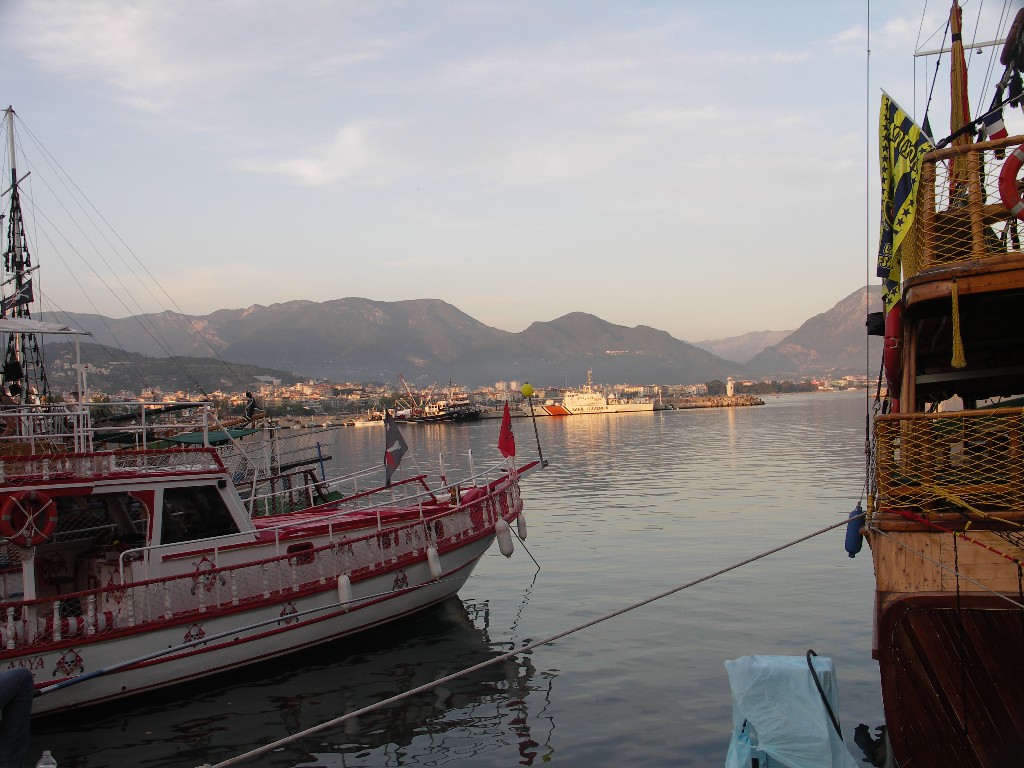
pixel 1008 182
pixel 28 518
pixel 892 359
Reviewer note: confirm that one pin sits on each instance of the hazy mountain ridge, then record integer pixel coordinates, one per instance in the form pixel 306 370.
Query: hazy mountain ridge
pixel 741 348
pixel 428 340
pixel 832 342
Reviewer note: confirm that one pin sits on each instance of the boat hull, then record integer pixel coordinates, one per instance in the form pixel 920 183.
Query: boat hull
pixel 252 636
pixel 949 627
pixel 953 680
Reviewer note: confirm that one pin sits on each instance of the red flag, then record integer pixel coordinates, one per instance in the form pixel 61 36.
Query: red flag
pixel 506 440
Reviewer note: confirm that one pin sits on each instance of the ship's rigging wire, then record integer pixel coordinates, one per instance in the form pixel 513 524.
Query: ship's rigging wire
pixel 90 211
pixel 515 652
pixel 38 215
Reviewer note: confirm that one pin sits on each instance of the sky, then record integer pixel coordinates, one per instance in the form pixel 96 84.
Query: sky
pixel 704 168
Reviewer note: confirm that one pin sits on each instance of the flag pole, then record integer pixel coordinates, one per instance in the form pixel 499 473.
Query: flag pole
pixel 527 392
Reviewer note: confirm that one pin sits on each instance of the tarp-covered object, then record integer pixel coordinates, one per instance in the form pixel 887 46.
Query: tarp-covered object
pixel 778 713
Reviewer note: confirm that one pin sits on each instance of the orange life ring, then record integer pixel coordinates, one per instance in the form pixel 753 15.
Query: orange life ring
pixel 1008 182
pixel 28 518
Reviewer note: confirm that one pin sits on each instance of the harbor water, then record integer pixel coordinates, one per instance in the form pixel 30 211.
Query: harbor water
pixel 630 506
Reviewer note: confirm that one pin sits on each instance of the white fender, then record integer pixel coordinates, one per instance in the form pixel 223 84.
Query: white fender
pixel 345 591
pixel 504 535
pixel 521 526
pixel 434 561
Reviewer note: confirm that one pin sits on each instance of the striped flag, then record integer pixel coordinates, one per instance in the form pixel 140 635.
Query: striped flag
pixel 901 145
pixel 993 127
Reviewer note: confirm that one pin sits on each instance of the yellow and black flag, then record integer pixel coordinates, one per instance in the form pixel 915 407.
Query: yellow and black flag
pixel 901 145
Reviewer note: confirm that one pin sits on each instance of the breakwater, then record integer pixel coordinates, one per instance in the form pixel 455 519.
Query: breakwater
pixel 716 401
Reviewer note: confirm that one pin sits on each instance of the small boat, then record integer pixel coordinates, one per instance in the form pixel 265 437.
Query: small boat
pixel 946 489
pixel 586 400
pixel 133 568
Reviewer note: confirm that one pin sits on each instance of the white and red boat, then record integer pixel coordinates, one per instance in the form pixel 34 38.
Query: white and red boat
pixel 588 399
pixel 127 570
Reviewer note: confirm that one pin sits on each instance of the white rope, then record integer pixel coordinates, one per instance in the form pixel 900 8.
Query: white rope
pixel 503 657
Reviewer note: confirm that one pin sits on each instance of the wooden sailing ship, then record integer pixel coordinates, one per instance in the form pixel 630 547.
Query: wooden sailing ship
pixel 946 508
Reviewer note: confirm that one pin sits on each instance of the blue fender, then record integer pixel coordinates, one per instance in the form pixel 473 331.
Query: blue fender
pixel 854 540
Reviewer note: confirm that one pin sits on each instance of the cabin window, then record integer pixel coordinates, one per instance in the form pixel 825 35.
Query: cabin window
pixel 190 514
pixel 101 519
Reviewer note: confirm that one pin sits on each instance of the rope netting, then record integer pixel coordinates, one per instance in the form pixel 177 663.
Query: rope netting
pixel 954 221
pixel 964 462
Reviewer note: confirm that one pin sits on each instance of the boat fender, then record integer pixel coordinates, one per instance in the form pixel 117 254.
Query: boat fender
pixel 521 526
pixel 854 540
pixel 345 591
pixel 1008 182
pixel 504 535
pixel 891 350
pixel 28 518
pixel 434 561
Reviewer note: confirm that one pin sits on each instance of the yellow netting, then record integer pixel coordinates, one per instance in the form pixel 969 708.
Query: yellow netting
pixel 967 462
pixel 950 228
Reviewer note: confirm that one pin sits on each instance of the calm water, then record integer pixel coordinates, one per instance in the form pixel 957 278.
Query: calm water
pixel 630 506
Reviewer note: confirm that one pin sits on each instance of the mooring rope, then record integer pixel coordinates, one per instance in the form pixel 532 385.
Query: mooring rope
pixel 505 656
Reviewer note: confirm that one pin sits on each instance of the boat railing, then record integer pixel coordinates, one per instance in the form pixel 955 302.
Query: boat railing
pixel 967 462
pixel 126 603
pixel 35 468
pixel 87 426
pixel 409 495
pixel 360 490
pixel 960 215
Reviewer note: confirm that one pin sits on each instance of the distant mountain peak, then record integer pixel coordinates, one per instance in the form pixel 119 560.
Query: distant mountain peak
pixel 430 341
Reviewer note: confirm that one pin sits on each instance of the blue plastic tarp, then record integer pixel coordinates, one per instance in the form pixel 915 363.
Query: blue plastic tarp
pixel 778 714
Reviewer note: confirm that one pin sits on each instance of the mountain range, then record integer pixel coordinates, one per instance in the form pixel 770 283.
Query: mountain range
pixel 428 340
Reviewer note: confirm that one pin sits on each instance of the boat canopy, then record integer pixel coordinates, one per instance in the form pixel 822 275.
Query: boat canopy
pixel 28 325
pixel 213 437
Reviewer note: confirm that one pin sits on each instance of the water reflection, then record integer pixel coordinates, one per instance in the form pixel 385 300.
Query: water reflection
pixel 206 723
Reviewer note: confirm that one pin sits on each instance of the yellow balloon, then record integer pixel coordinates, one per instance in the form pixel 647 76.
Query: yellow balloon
pixel 527 390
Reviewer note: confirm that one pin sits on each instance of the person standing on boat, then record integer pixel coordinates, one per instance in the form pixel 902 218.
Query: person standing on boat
pixel 16 693
pixel 250 407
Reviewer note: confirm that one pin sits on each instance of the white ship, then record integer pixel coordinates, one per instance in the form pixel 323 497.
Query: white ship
pixel 588 399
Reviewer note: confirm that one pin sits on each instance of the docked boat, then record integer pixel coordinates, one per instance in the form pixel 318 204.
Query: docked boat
pixel 128 569
pixel 946 485
pixel 588 399
pixel 454 405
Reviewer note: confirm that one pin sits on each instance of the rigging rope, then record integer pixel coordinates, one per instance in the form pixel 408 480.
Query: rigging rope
pixel 529 647
pixel 85 206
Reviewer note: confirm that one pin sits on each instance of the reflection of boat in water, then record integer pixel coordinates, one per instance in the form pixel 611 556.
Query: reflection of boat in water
pixel 946 497
pixel 225 717
pixel 586 400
